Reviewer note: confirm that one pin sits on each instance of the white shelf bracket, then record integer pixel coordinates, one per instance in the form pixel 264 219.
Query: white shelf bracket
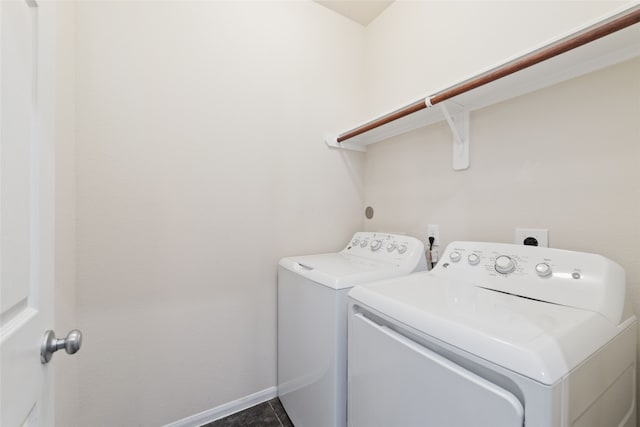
pixel 332 141
pixel 457 117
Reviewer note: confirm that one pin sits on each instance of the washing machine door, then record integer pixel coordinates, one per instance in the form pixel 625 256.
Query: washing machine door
pixel 394 381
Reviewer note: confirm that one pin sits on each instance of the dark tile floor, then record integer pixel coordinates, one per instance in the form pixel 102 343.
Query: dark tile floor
pixel 267 414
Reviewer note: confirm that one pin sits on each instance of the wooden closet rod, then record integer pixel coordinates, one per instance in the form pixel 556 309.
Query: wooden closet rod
pixel 626 20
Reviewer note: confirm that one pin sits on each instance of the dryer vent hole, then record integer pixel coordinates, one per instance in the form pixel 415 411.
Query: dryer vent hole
pixel 368 212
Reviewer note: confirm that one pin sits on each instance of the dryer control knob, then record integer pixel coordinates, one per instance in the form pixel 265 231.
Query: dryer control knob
pixel 355 242
pixel 391 247
pixel 543 269
pixel 455 256
pixel 473 259
pixel 364 243
pixel 402 249
pixel 376 244
pixel 505 265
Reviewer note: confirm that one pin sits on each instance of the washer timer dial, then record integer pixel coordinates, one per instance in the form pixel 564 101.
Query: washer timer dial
pixel 505 265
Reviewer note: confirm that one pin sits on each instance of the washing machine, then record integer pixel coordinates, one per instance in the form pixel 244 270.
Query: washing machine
pixel 496 335
pixel 312 320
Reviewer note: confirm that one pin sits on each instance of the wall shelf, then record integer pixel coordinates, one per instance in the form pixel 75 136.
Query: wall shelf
pixel 609 41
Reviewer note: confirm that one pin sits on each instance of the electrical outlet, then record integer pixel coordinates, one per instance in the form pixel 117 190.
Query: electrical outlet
pixel 540 234
pixel 433 230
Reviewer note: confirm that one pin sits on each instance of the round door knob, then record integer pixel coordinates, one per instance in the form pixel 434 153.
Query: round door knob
pixel 473 259
pixel 50 344
pixel 376 244
pixel 455 256
pixel 543 269
pixel 402 249
pixel 505 265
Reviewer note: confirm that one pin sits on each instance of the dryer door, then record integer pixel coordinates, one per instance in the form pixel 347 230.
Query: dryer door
pixel 393 381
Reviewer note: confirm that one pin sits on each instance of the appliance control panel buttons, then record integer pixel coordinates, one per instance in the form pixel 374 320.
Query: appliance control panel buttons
pixel 473 259
pixel 543 269
pixel 505 264
pixel 568 278
pixel 376 244
pixel 401 250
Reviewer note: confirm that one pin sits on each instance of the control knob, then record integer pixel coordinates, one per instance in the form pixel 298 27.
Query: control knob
pixel 391 247
pixel 455 256
pixel 402 249
pixel 364 243
pixel 473 259
pixel 505 265
pixel 543 269
pixel 376 244
pixel 355 242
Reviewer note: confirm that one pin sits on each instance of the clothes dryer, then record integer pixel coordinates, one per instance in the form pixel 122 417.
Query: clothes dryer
pixel 312 320
pixel 496 335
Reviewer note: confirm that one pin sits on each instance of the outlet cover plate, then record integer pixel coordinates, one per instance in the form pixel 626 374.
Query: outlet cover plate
pixel 540 234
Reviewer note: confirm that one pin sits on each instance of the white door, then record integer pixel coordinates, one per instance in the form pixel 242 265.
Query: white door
pixel 26 211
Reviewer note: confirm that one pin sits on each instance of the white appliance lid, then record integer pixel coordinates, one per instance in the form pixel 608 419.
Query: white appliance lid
pixel 540 340
pixel 367 257
pixel 340 270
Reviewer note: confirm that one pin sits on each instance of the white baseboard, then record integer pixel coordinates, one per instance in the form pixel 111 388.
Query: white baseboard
pixel 226 409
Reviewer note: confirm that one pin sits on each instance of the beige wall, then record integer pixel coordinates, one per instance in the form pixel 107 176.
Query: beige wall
pixel 65 368
pixel 552 159
pixel 416 48
pixel 200 163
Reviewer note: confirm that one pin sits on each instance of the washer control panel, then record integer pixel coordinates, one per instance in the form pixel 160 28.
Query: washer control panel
pixel 384 246
pixel 557 276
